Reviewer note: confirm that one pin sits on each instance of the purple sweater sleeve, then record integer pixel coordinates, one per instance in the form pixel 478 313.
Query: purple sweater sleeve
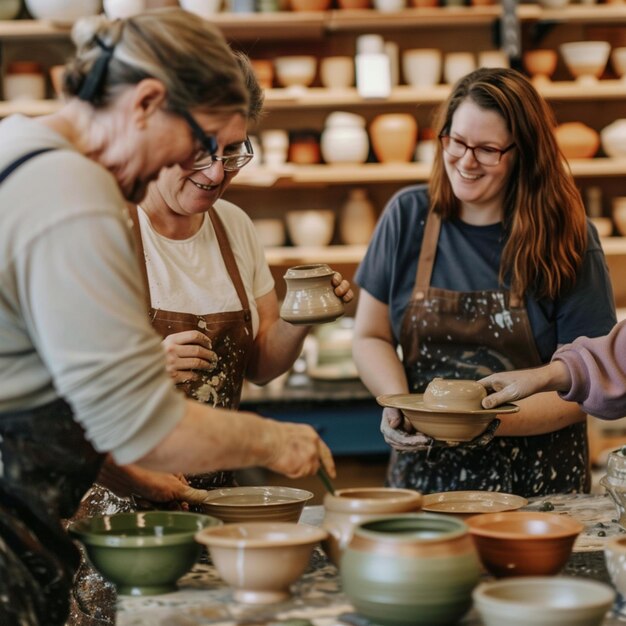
pixel 597 368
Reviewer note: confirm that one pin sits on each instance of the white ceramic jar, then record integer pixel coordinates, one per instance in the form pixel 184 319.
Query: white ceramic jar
pixel 121 9
pixel 344 138
pixel 62 11
pixel 24 80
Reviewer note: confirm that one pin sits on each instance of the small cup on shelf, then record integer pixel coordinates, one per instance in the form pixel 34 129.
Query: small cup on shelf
pixel 337 72
pixel 456 65
pixel 24 80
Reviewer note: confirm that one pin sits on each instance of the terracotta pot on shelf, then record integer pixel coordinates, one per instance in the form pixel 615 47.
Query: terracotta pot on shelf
pixel 576 140
pixel 540 64
pixel 309 5
pixel 394 136
pixel 358 218
pixel 424 3
pixel 264 71
pixel 354 4
pixel 619 214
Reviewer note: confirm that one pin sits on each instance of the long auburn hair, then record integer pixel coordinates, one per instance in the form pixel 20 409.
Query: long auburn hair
pixel 544 217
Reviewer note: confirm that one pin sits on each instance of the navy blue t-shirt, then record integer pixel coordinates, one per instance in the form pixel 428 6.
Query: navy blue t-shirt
pixel 468 259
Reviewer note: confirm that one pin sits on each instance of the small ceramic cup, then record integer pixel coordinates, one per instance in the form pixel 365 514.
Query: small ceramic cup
pixel 337 72
pixel 310 297
pixel 456 65
pixel 421 67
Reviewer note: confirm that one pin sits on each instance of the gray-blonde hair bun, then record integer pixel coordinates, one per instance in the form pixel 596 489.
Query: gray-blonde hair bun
pixel 187 54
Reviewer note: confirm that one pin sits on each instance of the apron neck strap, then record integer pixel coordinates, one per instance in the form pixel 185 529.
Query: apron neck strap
pixel 428 252
pixel 134 216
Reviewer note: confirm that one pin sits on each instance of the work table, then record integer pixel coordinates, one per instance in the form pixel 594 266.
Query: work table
pixel 203 599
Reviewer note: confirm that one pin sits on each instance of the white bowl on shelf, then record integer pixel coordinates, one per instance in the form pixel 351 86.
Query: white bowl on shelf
pixel 62 11
pixel 613 139
pixel 310 227
pixel 586 60
pixel 295 71
pixel 270 231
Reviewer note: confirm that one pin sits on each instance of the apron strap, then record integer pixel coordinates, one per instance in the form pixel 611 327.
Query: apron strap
pixel 229 260
pixel 134 216
pixel 7 171
pixel 428 252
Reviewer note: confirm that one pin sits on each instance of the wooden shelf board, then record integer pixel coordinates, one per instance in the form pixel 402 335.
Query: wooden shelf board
pixel 340 174
pixel 28 107
pixel 599 168
pixel 614 246
pixel 293 255
pixel 17 29
pixel 573 13
pixel 580 90
pixel 357 19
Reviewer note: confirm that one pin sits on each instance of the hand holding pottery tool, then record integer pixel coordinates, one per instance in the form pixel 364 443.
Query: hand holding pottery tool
pixel 325 478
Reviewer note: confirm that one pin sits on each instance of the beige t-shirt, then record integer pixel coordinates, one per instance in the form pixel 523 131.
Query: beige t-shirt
pixel 190 276
pixel 72 313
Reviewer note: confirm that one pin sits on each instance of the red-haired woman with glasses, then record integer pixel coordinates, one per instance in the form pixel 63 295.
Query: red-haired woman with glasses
pixel 490 267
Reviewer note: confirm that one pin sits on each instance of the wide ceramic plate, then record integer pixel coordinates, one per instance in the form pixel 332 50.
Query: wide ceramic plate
pixel 470 502
pixel 415 402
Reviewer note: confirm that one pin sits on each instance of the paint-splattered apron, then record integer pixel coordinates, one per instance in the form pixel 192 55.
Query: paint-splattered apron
pixel 231 338
pixel 469 335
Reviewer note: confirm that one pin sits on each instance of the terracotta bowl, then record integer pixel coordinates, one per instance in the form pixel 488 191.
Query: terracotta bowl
pixel 142 553
pixel 464 504
pixel 577 140
pixel 250 504
pixel 586 60
pixel 260 560
pixel 540 64
pixel 451 425
pixel 349 507
pixel 543 601
pixel 523 543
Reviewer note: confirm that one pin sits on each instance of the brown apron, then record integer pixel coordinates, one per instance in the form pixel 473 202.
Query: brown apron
pixel 231 338
pixel 469 335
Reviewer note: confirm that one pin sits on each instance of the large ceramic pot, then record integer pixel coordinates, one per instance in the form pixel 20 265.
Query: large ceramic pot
pixel 393 137
pixel 350 507
pixel 413 570
pixel 310 297
pixel 576 140
pixel 62 11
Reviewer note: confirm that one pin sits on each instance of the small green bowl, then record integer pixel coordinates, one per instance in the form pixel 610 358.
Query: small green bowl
pixel 143 553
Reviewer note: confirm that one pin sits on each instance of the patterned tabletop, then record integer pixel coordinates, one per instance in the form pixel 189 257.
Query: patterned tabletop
pixel 203 599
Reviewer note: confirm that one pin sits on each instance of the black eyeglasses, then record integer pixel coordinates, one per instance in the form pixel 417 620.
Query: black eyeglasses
pixel 485 155
pixel 238 155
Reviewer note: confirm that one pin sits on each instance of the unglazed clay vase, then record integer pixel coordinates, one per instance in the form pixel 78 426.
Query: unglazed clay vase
pixel 576 140
pixel 455 395
pixel 350 507
pixel 394 136
pixel 358 218
pixel 414 570
pixel 310 297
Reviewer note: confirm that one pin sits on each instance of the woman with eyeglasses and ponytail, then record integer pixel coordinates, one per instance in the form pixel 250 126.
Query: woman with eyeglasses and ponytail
pixel 82 371
pixel 490 267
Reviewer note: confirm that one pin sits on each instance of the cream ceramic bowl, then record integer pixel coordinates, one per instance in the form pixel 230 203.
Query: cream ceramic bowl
pixel 613 138
pixel 292 71
pixel 586 60
pixel 270 231
pixel 618 61
pixel 310 227
pixel 543 601
pixel 247 504
pixel 260 560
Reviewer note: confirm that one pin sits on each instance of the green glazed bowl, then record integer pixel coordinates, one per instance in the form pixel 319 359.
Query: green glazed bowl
pixel 142 553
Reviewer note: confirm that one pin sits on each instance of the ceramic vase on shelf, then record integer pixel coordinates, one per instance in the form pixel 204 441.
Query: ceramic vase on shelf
pixel 62 11
pixel 576 140
pixel 394 136
pixel 357 218
pixel 344 138
pixel 9 9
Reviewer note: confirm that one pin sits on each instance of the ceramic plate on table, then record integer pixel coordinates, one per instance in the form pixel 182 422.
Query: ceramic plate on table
pixel 415 402
pixel 472 502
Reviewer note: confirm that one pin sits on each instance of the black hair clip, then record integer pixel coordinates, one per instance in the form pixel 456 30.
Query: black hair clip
pixel 92 83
